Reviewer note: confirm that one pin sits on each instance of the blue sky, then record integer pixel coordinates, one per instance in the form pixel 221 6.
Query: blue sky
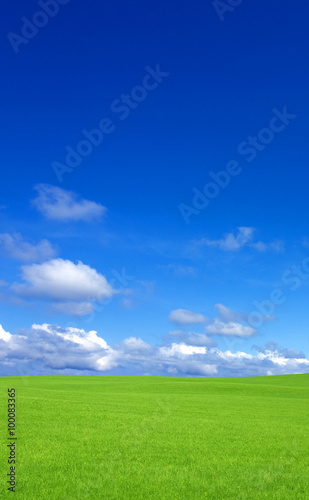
pixel 154 188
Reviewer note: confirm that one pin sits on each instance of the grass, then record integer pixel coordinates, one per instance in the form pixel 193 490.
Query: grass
pixel 163 438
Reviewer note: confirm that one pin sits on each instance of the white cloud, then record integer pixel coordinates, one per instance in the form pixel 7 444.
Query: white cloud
pixel 48 349
pixel 88 340
pixel 60 279
pixel 58 204
pixel 231 328
pixel 272 347
pixel 72 286
pixel 5 336
pixel 182 349
pixel 15 247
pixel 185 317
pixel 228 324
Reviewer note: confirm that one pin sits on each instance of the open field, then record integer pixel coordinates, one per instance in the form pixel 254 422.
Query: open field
pixel 114 437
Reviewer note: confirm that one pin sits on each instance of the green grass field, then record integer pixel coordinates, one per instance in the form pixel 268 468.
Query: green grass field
pixel 113 437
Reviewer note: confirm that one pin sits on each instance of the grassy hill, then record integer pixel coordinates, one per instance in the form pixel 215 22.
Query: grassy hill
pixel 114 437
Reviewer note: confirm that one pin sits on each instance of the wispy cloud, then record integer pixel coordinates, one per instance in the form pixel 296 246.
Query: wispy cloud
pixel 193 338
pixel 277 246
pixel 14 246
pixel 73 308
pixel 243 237
pixel 233 324
pixel 230 242
pixel 185 317
pixel 227 315
pixel 58 204
pixel 228 324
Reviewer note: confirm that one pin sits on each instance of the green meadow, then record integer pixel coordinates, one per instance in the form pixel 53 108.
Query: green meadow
pixel 164 438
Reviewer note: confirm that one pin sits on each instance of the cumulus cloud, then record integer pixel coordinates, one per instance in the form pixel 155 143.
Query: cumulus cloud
pixel 243 237
pixel 185 317
pixel 5 336
pixel 50 349
pixel 72 286
pixel 14 246
pixel 63 280
pixel 58 204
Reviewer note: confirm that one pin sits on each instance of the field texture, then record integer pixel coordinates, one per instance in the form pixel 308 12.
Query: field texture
pixel 161 438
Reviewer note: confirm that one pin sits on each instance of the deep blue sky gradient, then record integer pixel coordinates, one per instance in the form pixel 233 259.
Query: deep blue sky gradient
pixel 225 78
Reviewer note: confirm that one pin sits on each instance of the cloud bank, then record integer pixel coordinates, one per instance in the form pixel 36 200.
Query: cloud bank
pixel 47 349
